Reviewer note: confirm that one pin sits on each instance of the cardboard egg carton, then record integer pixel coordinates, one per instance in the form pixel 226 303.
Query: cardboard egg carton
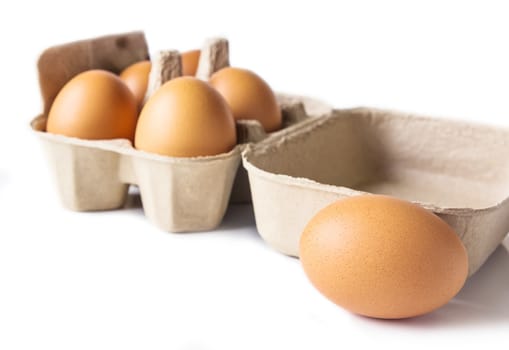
pixel 178 194
pixel 455 169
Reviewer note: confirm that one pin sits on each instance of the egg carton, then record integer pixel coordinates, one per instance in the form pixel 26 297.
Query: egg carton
pixel 455 169
pixel 178 194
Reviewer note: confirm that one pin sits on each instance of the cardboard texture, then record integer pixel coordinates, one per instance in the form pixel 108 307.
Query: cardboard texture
pixel 457 170
pixel 58 64
pixel 165 65
pixel 178 194
pixel 295 109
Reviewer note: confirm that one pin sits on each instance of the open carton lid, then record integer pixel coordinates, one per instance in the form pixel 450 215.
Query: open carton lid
pixel 58 64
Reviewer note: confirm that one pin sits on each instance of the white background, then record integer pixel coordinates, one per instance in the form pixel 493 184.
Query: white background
pixel 111 280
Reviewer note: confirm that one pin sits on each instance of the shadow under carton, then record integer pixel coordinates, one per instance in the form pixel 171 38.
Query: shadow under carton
pixel 460 171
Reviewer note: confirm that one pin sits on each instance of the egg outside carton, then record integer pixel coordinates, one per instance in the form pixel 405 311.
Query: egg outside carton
pixel 455 169
pixel 178 194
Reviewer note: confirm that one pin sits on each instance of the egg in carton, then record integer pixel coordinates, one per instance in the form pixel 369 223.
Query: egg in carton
pixel 455 169
pixel 178 194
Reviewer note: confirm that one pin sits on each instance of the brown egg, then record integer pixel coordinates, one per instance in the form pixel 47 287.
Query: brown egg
pixel 383 257
pixel 95 104
pixel 190 61
pixel 249 96
pixel 186 118
pixel 136 78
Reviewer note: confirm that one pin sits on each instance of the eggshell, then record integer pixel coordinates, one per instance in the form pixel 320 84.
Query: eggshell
pixel 249 96
pixel 95 104
pixel 136 78
pixel 383 257
pixel 186 118
pixel 190 61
